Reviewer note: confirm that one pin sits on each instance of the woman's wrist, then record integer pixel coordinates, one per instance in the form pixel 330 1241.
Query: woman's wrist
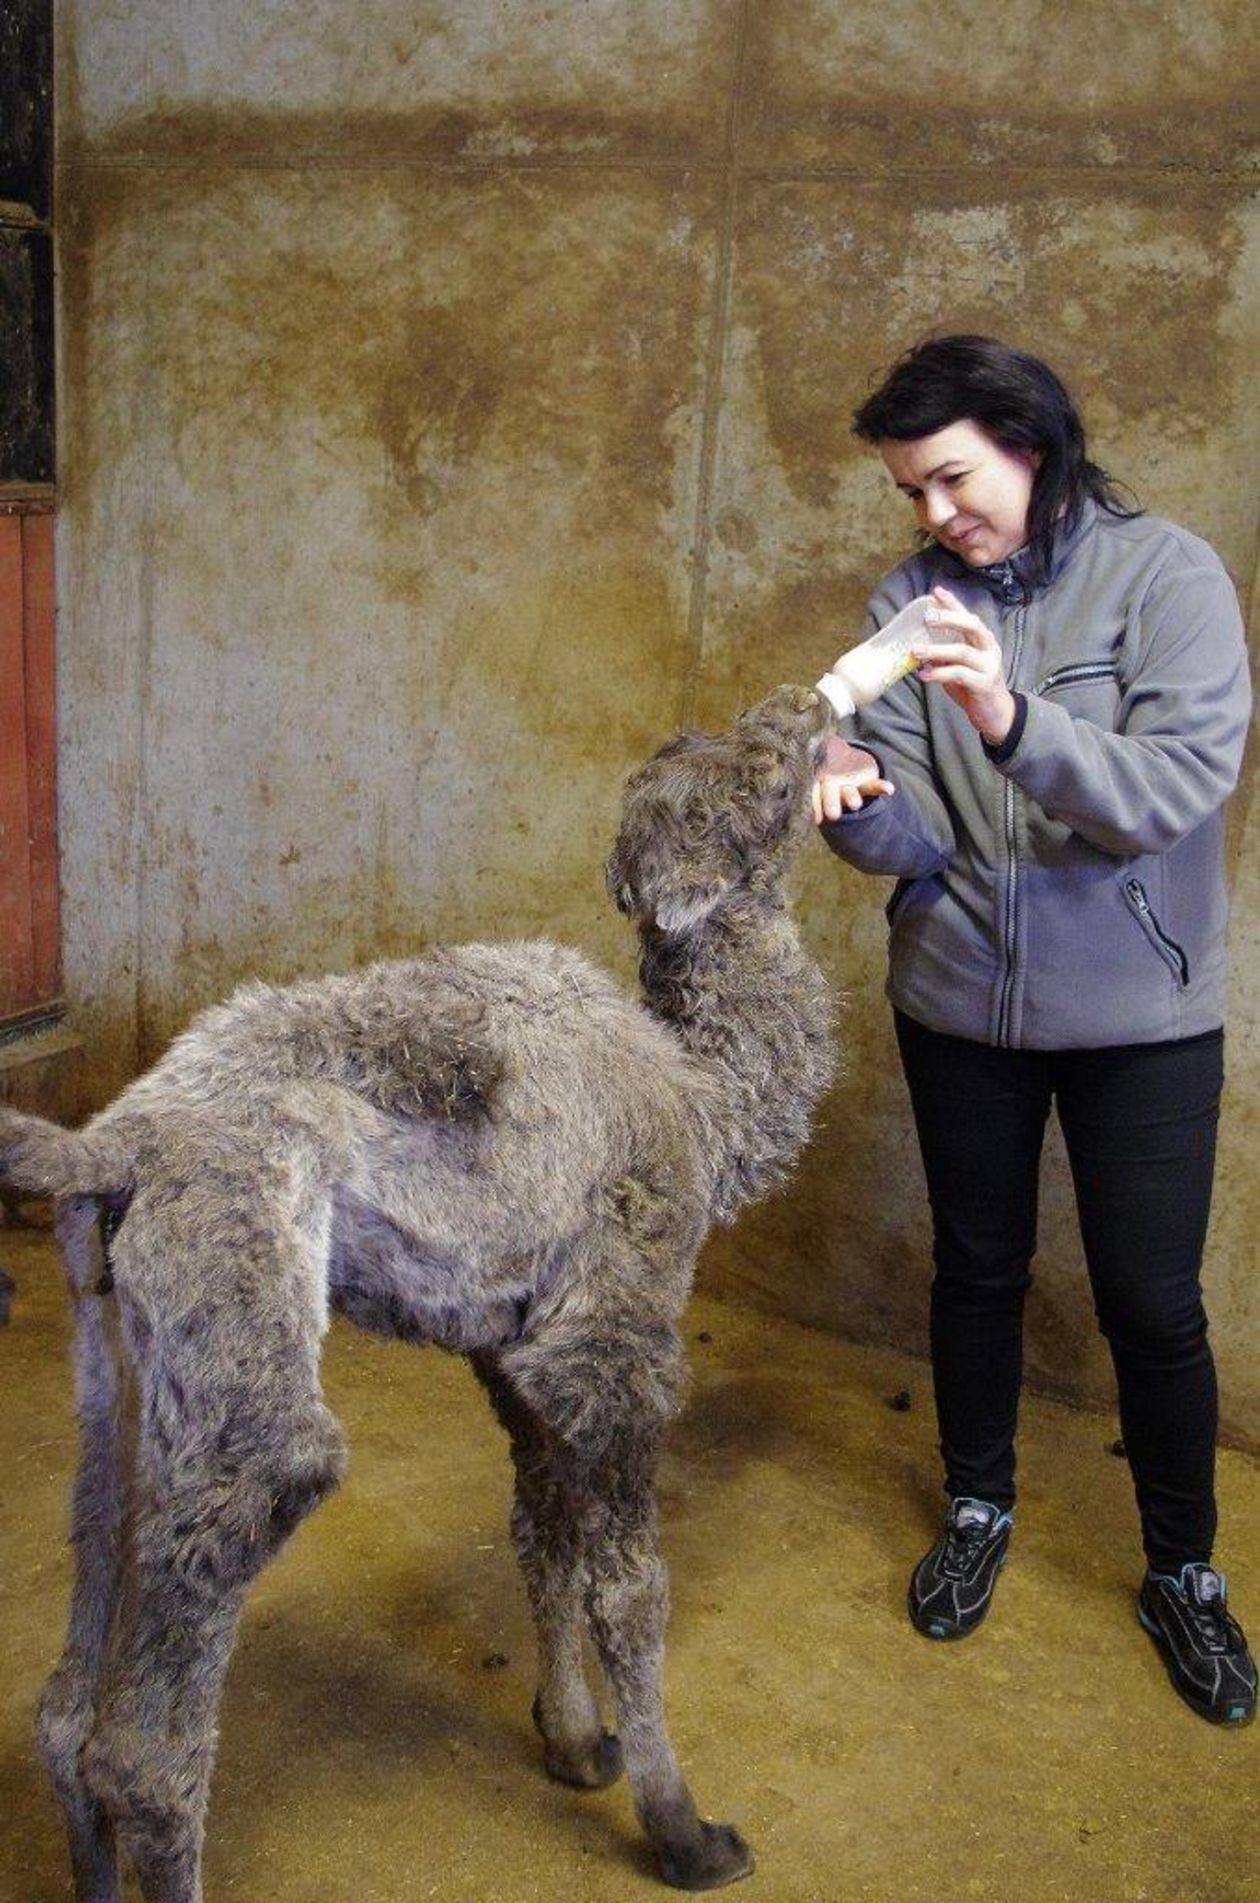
pixel 995 723
pixel 1000 751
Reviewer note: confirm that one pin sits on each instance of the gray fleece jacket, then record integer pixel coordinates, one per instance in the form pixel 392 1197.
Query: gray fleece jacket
pixel 1065 890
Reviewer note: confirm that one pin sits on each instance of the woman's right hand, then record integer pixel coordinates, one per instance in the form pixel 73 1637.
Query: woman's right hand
pixel 848 776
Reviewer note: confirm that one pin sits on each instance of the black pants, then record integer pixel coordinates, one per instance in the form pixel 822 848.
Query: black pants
pixel 1139 1122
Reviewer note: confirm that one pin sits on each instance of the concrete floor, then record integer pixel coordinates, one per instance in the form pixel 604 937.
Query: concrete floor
pixel 376 1742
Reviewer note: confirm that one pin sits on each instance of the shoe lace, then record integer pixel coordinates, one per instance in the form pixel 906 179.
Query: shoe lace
pixel 961 1542
pixel 1213 1626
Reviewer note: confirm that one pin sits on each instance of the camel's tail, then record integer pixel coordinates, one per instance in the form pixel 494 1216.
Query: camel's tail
pixel 43 1159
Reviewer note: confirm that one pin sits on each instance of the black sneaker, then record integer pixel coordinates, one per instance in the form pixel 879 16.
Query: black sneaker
pixel 953 1584
pixel 1203 1646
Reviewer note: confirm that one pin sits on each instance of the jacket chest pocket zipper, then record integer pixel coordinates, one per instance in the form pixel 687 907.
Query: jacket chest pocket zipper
pixel 1168 948
pixel 1078 673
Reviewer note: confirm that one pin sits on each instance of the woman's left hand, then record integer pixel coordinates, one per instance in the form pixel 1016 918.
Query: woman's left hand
pixel 969 668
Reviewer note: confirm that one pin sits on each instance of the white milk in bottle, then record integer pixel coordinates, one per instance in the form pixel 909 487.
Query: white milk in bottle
pixel 861 675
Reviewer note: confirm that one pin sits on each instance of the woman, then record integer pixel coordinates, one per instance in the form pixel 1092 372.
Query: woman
pixel 1049 792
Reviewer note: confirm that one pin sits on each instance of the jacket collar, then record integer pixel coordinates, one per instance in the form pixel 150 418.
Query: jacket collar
pixel 1012 579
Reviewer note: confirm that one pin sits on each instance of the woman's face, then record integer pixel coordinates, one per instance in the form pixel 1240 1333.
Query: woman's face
pixel 968 492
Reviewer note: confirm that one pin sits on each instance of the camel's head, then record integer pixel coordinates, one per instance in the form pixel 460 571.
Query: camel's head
pixel 712 815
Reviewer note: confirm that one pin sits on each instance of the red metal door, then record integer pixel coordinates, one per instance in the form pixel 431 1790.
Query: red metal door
pixel 29 940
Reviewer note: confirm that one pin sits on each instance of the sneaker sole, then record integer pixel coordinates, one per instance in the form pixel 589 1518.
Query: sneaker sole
pixel 1234 1715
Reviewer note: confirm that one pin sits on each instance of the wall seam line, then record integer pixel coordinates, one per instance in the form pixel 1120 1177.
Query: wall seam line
pixel 143 1055
pixel 719 332
pixel 1240 173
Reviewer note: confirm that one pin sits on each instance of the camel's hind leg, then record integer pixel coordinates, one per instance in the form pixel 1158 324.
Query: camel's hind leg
pixel 577 1750
pixel 148 1761
pixel 195 1542
pixel 68 1706
pixel 233 1447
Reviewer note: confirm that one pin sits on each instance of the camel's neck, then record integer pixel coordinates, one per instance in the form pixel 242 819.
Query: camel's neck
pixel 751 1007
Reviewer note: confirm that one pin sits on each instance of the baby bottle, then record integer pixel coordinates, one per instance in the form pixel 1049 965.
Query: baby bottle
pixel 861 675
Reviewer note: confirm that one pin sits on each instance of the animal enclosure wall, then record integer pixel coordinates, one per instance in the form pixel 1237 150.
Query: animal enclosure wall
pixel 454 401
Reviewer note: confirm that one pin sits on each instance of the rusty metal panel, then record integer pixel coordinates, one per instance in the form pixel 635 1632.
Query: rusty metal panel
pixel 29 937
pixel 16 929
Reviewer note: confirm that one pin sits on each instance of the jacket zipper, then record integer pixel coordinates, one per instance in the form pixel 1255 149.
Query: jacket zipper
pixel 1010 923
pixel 1168 948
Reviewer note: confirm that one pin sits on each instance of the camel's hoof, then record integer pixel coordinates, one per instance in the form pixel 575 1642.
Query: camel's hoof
pixel 718 1855
pixel 586 1768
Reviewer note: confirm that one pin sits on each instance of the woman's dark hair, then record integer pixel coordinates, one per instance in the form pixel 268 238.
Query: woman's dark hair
pixel 1018 401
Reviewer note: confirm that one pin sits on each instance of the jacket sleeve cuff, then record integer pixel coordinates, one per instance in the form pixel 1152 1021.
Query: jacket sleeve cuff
pixel 885 835
pixel 1001 752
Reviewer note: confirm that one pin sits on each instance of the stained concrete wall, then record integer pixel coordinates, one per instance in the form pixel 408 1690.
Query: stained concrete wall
pixel 455 400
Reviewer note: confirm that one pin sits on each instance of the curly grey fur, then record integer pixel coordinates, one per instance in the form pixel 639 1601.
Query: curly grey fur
pixel 493 1149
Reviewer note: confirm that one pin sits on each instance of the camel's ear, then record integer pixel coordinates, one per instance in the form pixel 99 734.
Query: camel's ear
pixel 620 891
pixel 683 910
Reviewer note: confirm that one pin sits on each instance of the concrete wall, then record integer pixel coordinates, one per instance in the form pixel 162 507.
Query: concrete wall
pixel 455 400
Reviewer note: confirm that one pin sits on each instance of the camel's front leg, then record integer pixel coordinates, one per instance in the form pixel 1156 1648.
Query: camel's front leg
pixel 601 1380
pixel 577 1750
pixel 628 1605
